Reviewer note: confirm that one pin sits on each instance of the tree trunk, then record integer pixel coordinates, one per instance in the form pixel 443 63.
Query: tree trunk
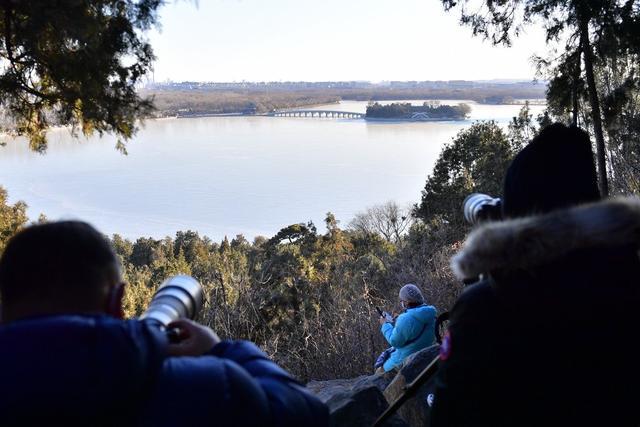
pixel 574 95
pixel 595 107
pixel 574 90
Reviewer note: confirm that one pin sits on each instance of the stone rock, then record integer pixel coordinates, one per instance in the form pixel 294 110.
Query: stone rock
pixel 355 402
pixel 414 411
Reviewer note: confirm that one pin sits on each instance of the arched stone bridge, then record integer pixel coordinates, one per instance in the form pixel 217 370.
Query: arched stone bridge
pixel 318 113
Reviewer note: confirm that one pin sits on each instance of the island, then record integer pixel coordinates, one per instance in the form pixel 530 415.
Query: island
pixel 429 111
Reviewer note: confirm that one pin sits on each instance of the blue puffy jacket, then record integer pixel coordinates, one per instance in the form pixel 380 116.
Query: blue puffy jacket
pixel 413 330
pixel 97 370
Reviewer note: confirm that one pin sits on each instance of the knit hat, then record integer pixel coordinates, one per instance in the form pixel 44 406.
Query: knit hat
pixel 411 293
pixel 554 171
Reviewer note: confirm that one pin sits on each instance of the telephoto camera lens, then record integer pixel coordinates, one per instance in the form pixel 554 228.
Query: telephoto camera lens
pixel 480 207
pixel 177 297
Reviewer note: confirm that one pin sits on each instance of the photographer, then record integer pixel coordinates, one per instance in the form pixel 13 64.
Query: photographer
pixel 68 359
pixel 413 330
pixel 548 335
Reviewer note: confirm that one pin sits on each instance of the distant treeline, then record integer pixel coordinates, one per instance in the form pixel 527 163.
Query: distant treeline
pixel 426 111
pixel 478 94
pixel 185 101
pixel 195 102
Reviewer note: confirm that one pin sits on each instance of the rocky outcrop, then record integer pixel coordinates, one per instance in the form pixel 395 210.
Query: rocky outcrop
pixel 415 411
pixel 355 402
pixel 359 401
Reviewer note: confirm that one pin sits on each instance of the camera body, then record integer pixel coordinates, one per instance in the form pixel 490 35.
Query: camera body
pixel 177 297
pixel 478 207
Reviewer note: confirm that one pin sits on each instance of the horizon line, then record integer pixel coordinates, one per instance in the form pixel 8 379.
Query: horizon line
pixel 374 82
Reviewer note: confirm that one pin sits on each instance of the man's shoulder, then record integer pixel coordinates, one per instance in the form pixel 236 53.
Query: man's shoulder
pixel 229 363
pixel 203 375
pixel 201 390
pixel 208 370
pixel 192 368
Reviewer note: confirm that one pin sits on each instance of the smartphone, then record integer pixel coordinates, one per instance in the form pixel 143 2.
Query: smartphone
pixel 388 317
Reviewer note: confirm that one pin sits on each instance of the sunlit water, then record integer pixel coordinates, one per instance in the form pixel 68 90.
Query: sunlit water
pixel 225 176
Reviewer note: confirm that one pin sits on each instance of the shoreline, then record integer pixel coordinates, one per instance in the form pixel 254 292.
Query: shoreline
pixel 532 102
pixel 408 119
pixel 366 119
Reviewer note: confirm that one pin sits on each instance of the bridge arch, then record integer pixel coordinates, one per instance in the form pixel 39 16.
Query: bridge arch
pixel 318 113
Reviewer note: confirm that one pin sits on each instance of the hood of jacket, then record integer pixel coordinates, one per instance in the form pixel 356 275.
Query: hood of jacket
pixel 77 367
pixel 526 243
pixel 423 313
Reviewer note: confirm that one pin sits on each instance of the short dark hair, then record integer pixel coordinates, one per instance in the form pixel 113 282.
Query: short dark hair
pixel 67 261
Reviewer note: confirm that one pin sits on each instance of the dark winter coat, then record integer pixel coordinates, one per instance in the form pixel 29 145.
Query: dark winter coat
pixel 551 336
pixel 96 370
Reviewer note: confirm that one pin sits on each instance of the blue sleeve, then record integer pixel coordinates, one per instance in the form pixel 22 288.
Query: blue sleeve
pixel 234 384
pixel 289 402
pixel 206 391
pixel 399 334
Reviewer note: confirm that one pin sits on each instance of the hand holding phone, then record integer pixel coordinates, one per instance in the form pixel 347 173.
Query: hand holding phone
pixel 387 316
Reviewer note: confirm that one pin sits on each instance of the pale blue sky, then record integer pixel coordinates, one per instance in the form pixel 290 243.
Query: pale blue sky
pixel 313 40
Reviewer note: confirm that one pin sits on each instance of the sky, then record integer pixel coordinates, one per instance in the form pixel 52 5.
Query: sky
pixel 329 40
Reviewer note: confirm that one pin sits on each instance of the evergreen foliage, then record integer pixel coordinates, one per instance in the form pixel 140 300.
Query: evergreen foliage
pixel 475 161
pixel 12 218
pixel 405 110
pixel 596 35
pixel 69 62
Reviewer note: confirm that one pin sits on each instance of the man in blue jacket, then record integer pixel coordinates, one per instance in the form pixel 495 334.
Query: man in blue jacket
pixel 413 330
pixel 69 359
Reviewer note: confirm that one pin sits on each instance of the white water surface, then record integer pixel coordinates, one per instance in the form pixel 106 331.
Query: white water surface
pixel 232 175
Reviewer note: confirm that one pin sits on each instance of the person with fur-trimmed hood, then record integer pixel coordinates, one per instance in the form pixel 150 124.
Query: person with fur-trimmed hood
pixel 549 334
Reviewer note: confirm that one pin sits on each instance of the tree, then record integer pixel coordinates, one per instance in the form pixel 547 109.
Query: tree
pixel 224 245
pixel 619 82
pixel 475 161
pixel 592 30
pixel 12 218
pixel 293 233
pixel 389 220
pixel 69 62
pixel 145 251
pixel 122 247
pixel 522 128
pixel 190 244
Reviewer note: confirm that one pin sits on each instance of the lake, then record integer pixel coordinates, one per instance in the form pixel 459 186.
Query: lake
pixel 232 175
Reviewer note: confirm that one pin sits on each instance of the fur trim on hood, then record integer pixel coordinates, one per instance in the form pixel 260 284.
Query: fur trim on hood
pixel 520 244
